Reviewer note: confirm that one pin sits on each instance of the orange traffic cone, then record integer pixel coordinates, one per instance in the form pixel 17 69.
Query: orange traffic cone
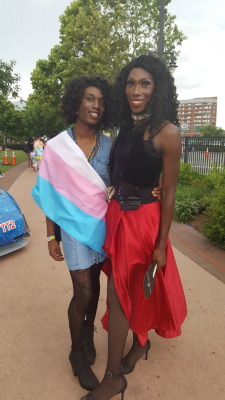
pixel 5 159
pixel 207 153
pixel 13 158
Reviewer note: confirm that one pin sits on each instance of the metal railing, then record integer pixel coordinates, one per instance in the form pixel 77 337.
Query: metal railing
pixel 203 152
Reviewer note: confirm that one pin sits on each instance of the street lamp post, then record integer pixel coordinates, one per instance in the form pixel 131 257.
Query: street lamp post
pixel 172 64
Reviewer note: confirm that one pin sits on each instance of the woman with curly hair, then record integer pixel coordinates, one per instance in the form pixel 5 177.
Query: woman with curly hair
pixel 138 224
pixel 71 189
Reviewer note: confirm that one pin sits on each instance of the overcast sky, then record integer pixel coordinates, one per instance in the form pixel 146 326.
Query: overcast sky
pixel 30 28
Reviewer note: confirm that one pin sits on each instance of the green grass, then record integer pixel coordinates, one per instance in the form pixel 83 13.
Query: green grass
pixel 20 158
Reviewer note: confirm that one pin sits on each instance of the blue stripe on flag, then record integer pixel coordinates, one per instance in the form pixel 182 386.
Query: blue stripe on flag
pixel 86 229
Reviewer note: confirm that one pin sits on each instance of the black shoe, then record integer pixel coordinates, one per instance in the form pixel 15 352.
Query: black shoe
pixel 83 371
pixel 88 342
pixel 125 367
pixel 90 396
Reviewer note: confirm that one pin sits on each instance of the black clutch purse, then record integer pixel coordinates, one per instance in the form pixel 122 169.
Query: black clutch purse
pixel 149 280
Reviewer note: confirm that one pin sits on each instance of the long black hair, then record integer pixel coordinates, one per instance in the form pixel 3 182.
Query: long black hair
pixel 73 93
pixel 163 105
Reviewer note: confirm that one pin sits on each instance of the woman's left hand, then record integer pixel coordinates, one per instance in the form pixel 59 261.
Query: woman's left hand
pixel 159 255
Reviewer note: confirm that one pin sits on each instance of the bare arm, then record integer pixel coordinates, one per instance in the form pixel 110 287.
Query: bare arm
pixel 170 144
pixel 53 246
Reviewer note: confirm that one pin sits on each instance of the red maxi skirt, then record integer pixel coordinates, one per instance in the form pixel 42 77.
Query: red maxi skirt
pixel 130 241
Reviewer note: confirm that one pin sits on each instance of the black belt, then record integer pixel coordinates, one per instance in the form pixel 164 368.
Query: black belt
pixel 130 197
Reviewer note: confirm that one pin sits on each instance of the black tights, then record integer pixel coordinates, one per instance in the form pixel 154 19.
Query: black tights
pixel 84 303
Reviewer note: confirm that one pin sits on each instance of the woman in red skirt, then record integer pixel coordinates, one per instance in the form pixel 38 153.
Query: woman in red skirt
pixel 148 146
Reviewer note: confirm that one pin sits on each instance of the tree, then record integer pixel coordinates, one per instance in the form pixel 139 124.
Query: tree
pixel 99 37
pixel 8 80
pixel 211 130
pixel 96 38
pixel 41 117
pixel 10 120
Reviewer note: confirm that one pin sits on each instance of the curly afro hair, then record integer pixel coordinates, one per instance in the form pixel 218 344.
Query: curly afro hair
pixel 73 93
pixel 164 102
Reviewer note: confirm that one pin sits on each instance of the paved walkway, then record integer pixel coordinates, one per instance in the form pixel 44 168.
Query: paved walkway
pixel 34 341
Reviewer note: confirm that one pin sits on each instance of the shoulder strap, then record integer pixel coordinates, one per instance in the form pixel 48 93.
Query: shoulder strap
pixel 153 133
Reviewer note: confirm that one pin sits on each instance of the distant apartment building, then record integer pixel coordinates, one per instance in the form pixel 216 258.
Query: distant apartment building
pixel 195 113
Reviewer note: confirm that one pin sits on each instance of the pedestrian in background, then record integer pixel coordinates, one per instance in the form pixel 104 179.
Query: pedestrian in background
pixel 38 149
pixel 29 147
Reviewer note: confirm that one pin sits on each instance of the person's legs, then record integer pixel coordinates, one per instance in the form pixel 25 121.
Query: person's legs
pixel 88 325
pixel 82 293
pixel 118 327
pixel 28 159
pixel 38 163
pixel 93 304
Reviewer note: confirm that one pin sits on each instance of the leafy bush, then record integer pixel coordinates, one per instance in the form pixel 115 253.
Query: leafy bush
pixel 214 229
pixel 216 177
pixel 197 193
pixel 187 203
pixel 187 174
pixel 185 209
pixel 15 146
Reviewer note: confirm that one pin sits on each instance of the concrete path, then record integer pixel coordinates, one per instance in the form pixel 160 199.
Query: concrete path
pixel 35 343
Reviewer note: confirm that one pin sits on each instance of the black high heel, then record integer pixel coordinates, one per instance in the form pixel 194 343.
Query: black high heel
pixel 125 367
pixel 83 371
pixel 90 396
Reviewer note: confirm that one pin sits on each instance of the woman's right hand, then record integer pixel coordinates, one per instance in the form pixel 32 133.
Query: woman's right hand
pixel 55 250
pixel 159 256
pixel 157 191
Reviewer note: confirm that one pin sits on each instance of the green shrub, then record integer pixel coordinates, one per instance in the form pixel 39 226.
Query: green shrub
pixel 187 203
pixel 15 146
pixel 216 177
pixel 186 174
pixel 197 193
pixel 214 229
pixel 185 209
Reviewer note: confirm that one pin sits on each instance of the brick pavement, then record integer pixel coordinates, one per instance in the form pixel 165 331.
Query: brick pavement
pixel 185 238
pixel 11 175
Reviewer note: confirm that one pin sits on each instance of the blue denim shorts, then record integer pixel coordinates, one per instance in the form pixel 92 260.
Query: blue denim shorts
pixel 77 255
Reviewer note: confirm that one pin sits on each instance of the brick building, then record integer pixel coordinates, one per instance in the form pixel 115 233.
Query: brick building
pixel 195 113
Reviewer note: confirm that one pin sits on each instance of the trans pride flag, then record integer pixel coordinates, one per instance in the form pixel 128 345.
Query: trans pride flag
pixel 71 193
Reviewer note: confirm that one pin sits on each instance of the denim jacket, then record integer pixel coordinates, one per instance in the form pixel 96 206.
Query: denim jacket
pixel 100 162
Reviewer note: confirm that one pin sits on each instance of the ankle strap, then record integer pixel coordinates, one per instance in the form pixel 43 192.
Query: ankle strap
pixel 113 376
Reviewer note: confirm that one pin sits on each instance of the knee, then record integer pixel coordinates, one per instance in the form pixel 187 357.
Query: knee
pixel 111 293
pixel 83 294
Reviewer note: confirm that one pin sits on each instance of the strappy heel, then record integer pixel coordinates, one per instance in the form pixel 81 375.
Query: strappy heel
pixel 125 367
pixel 124 383
pixel 90 396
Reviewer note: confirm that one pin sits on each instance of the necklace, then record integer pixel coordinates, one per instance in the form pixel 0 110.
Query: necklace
pixel 94 148
pixel 136 118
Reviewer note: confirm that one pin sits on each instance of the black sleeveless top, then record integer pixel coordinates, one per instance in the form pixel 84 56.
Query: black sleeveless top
pixel 135 160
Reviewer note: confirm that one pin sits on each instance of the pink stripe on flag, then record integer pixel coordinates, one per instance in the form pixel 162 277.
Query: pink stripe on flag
pixel 67 181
